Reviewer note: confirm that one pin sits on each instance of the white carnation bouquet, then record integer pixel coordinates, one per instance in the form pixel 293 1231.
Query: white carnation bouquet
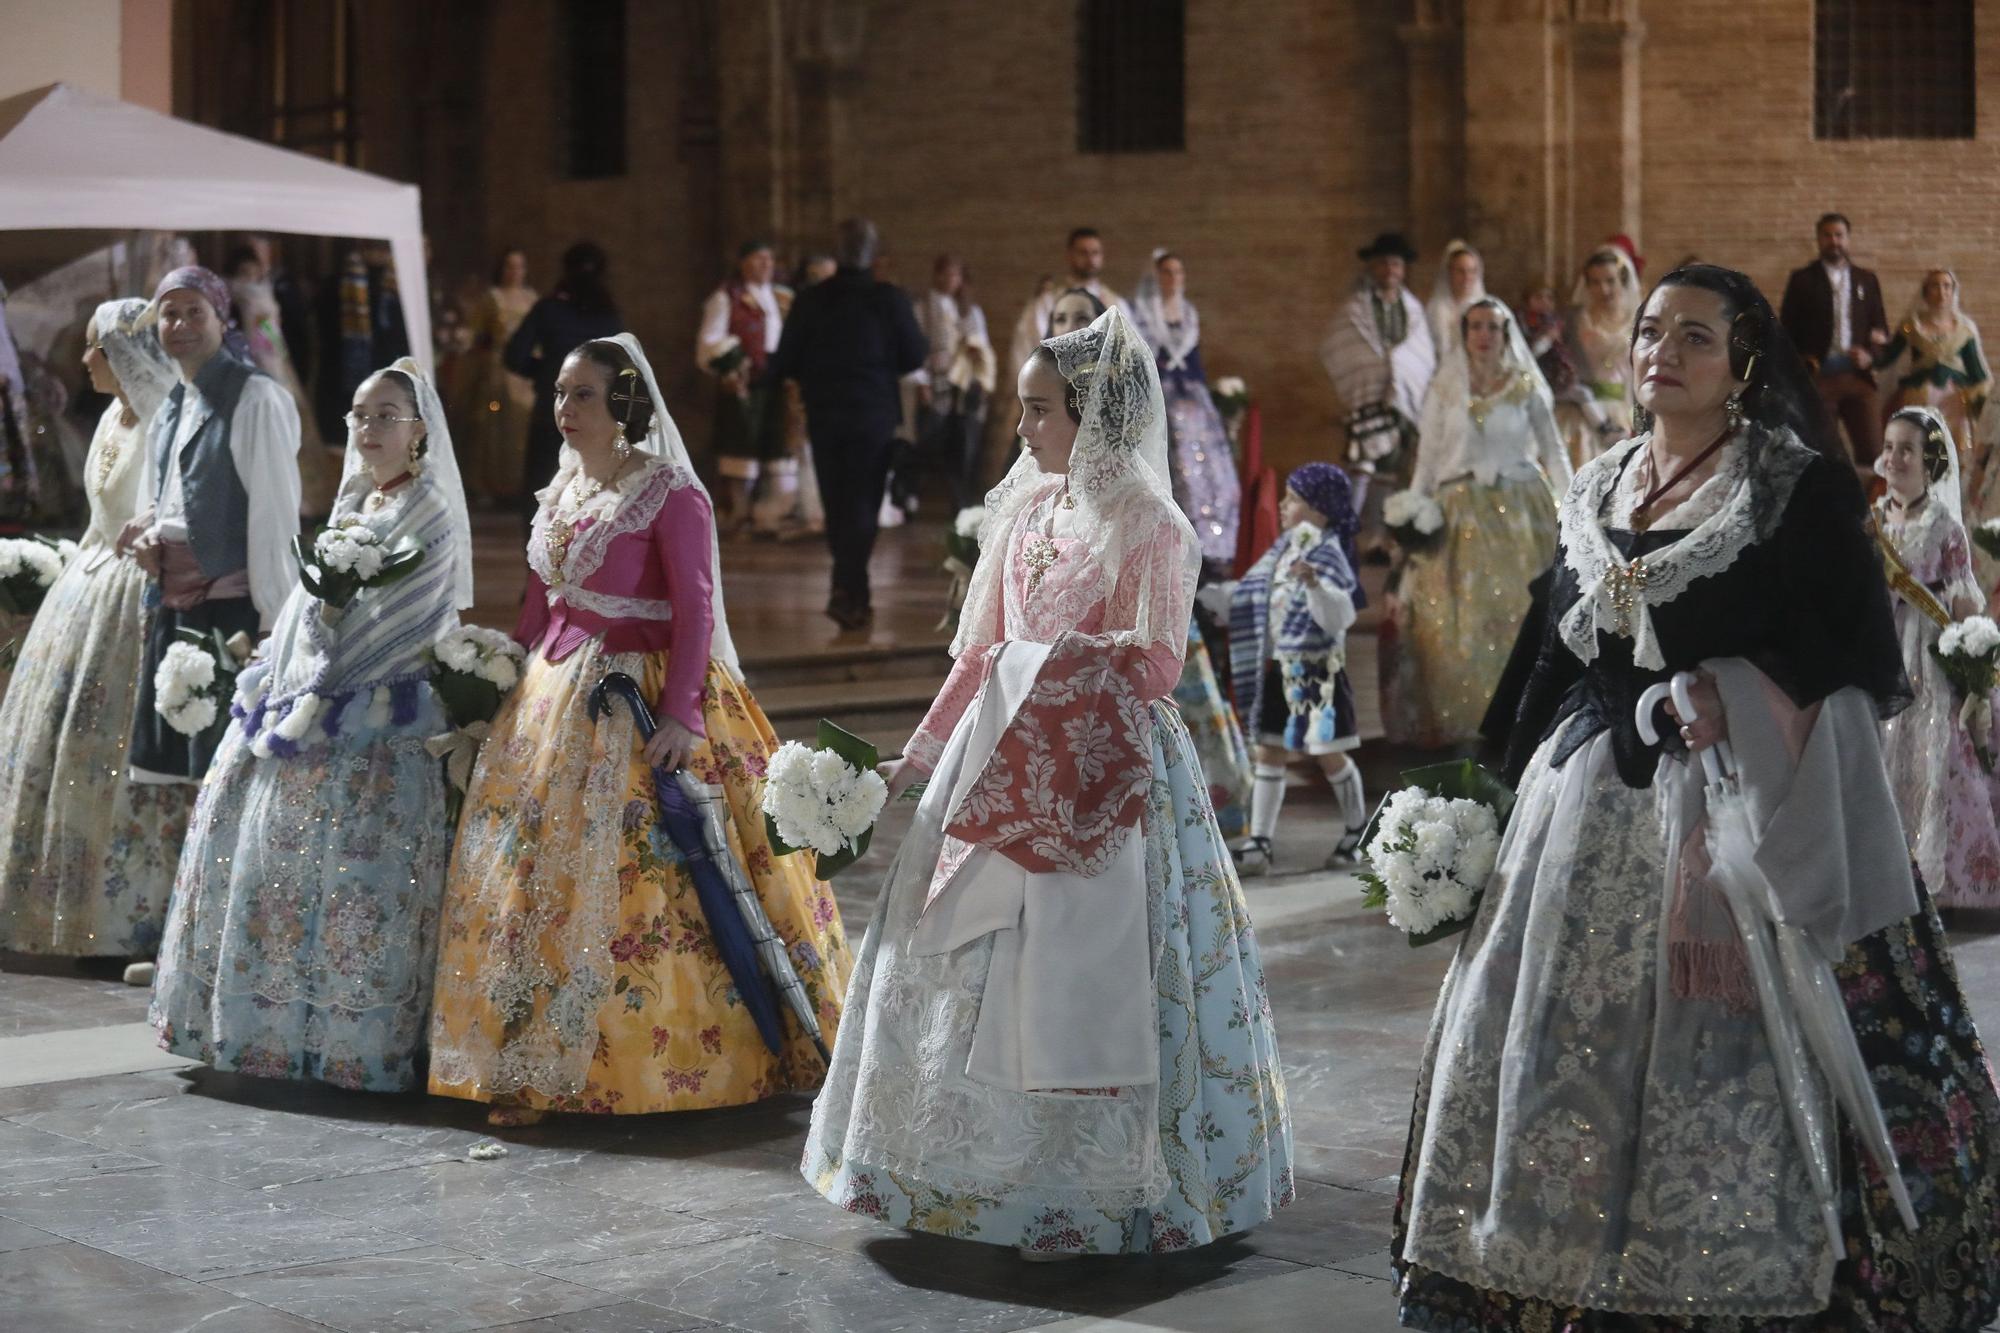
pixel 473 669
pixel 961 546
pixel 29 567
pixel 1986 536
pixel 1413 519
pixel 826 799
pixel 348 556
pixel 1432 846
pixel 196 677
pixel 1967 650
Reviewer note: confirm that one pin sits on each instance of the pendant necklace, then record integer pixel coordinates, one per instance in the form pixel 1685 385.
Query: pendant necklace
pixel 563 516
pixel 1040 553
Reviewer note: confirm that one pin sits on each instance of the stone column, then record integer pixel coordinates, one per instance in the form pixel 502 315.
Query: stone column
pixel 1605 40
pixel 1433 44
pixel 1513 143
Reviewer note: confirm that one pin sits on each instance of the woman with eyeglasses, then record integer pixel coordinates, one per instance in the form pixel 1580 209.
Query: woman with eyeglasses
pixel 303 930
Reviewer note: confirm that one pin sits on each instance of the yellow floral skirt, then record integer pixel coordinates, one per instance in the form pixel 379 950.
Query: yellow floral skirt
pixel 1464 598
pixel 575 970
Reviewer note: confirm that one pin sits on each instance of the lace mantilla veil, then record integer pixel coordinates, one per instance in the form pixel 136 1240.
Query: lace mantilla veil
pixel 663 441
pixel 440 465
pixel 137 359
pixel 1446 419
pixel 1946 492
pixel 1117 476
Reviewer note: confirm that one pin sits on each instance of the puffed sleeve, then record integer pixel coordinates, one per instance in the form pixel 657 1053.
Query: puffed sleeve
pixel 264 442
pixel 681 537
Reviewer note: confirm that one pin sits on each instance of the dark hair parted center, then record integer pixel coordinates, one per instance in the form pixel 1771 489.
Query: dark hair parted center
pixel 625 392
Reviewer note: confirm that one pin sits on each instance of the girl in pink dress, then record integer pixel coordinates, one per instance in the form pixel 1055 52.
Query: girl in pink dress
pixel 1060 1038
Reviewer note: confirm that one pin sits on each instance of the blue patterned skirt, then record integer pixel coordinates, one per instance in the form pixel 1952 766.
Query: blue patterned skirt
pixel 984 1164
pixel 303 930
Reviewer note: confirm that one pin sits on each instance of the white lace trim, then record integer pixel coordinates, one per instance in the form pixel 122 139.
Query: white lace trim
pixel 611 606
pixel 1618 596
pixel 640 498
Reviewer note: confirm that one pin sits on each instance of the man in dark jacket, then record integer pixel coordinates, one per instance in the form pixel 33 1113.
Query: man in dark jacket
pixel 848 342
pixel 1833 312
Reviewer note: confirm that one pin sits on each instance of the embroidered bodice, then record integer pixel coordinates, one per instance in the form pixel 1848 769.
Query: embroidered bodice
pixel 1768 561
pixel 629 566
pixel 1069 598
pixel 1933 546
pixel 112 473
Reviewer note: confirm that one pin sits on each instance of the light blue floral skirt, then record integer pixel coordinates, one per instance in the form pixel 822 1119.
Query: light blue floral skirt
pixel 303 930
pixel 900 1134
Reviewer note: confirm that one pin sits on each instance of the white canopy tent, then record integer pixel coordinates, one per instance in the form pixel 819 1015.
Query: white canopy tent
pixel 75 163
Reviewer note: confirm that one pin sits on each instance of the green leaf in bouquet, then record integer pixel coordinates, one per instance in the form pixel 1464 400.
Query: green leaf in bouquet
pixel 467 698
pixel 10 603
pixel 961 548
pixel 10 654
pixel 860 753
pixel 1464 780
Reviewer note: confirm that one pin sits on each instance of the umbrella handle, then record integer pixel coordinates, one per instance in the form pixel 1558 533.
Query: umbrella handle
pixel 624 687
pixel 1718 764
pixel 1649 703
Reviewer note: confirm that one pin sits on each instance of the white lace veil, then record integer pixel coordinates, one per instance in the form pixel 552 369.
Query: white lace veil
pixel 1629 293
pixel 663 441
pixel 1117 476
pixel 1947 492
pixel 1960 319
pixel 440 465
pixel 143 369
pixel 1149 313
pixel 1446 421
pixel 1443 308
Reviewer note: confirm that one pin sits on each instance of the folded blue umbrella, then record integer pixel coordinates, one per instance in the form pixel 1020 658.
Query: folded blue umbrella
pixel 745 951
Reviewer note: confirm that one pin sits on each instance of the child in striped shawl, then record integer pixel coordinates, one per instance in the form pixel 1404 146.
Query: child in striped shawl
pixel 1288 625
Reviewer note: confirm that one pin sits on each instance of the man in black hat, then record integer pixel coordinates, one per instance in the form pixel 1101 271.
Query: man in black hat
pixel 1379 354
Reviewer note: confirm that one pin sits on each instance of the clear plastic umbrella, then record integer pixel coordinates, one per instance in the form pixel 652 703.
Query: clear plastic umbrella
pixel 1805 1019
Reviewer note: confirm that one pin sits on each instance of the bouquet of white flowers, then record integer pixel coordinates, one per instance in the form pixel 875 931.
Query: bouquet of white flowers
pixel 196 677
pixel 1413 519
pixel 961 547
pixel 1231 395
pixel 475 668
pixel 1432 846
pixel 1967 650
pixel 826 799
pixel 349 556
pixel 28 569
pixel 1986 536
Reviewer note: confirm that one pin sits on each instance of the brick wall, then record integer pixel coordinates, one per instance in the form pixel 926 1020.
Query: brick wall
pixel 956 129
pixel 960 134
pixel 1732 173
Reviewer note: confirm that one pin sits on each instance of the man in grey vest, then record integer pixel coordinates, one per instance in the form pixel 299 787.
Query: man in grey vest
pixel 223 475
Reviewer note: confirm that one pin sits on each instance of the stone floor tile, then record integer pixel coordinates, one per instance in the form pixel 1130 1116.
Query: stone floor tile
pixel 764 1284
pixel 429 1290
pixel 484 1208
pixel 1324 1225
pixel 65 1287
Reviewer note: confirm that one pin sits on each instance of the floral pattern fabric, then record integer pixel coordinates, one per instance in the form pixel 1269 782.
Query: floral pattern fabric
pixel 576 971
pixel 87 857
pixel 1949 802
pixel 1218 737
pixel 897 1106
pixel 304 925
pixel 903 1133
pixel 1935 1085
